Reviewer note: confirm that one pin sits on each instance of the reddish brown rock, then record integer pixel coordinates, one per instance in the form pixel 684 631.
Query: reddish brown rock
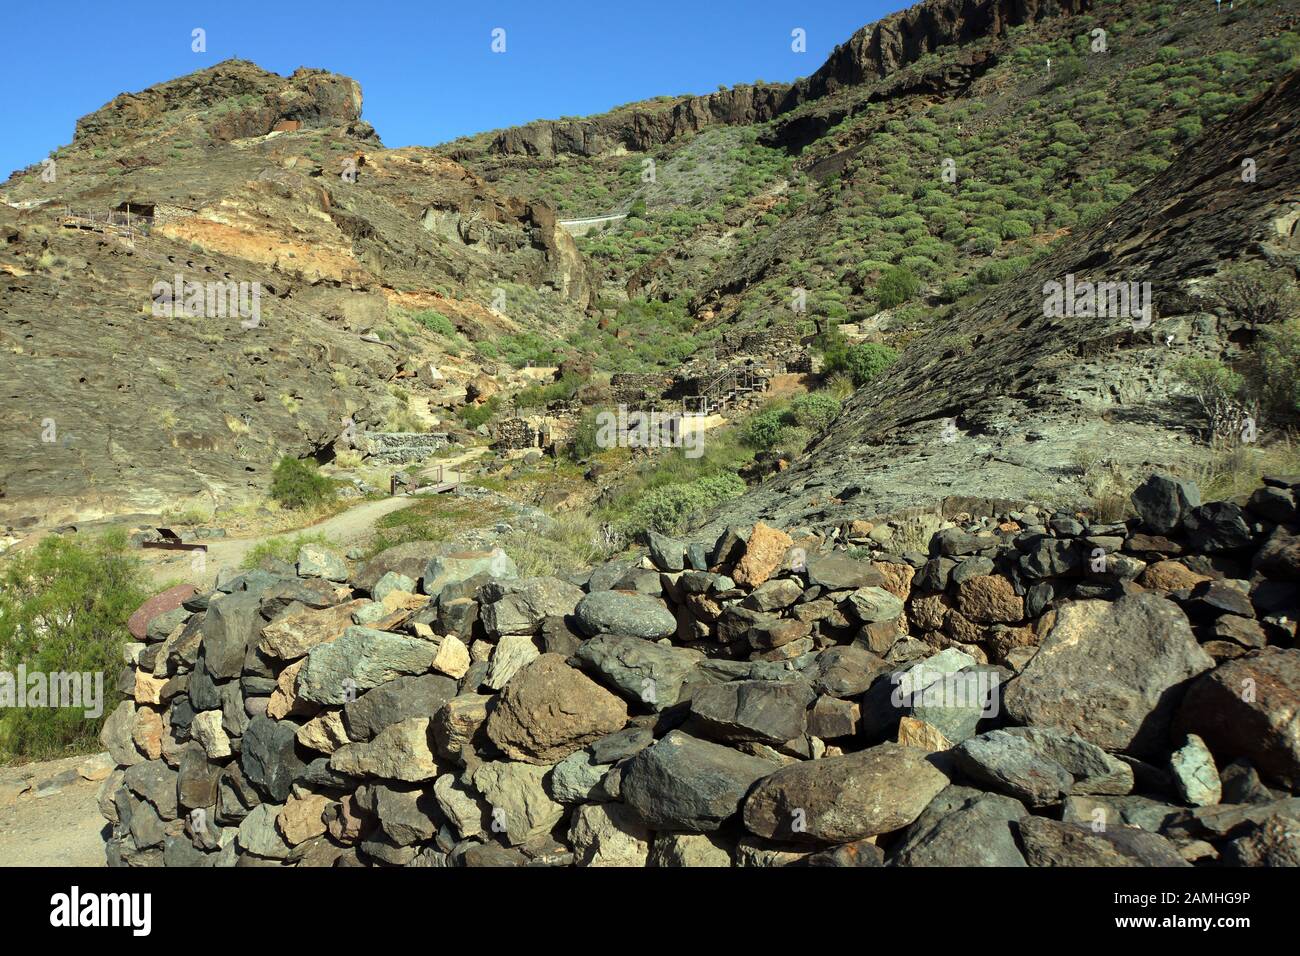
pixel 169 600
pixel 991 599
pixel 763 555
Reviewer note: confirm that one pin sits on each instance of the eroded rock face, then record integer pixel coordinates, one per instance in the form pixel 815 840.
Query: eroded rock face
pixel 1110 672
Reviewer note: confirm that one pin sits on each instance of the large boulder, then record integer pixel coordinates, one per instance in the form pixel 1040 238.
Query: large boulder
pixel 687 784
pixel 549 709
pixel 963 827
pixel 403 751
pixel 753 710
pixel 1162 502
pixel 1052 843
pixel 626 613
pixel 231 625
pixel 1110 672
pixel 362 658
pixel 520 607
pixel 641 671
pixel 459 566
pixel 1248 708
pixel 521 808
pixel 396 700
pixel 842 799
pixel 1039 766
pixel 268 757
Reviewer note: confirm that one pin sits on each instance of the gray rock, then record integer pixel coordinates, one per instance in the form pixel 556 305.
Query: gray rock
pixel 846 670
pixel 689 849
pixel 520 807
pixel 762 711
pixel 640 670
pixel 315 561
pixel 449 569
pixel 667 553
pixel 972 567
pixel 1162 502
pixel 362 658
pixel 1195 775
pixel 1051 843
pixel 391 582
pixel 406 814
pixel 608 834
pixel 402 751
pixel 1109 672
pixel 872 605
pixel 231 626
pixel 774 595
pixel 1218 526
pixel 154 781
pixel 396 700
pixel 963 827
pixel 268 758
pixel 511 653
pixel 116 737
pixel 576 779
pixel 520 606
pixel 838 572
pixel 842 799
pixel 687 784
pixel 619 612
pixel 461 808
pixel 258 833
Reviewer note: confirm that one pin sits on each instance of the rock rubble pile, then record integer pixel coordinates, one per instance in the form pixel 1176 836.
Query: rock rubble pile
pixel 1039 689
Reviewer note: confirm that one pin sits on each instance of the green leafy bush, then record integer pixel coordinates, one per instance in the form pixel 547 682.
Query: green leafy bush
pixel 297 484
pixel 815 410
pixel 764 430
pixel 63 608
pixel 896 286
pixel 669 509
pixel 472 416
pixel 861 362
pixel 1278 358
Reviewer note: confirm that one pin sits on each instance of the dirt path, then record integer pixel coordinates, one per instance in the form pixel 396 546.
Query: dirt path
pixel 344 530
pixel 49 813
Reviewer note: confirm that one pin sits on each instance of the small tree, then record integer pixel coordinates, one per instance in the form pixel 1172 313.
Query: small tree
pixel 1255 294
pixel 1219 394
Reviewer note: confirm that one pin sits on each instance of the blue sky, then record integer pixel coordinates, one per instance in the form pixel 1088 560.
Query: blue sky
pixel 425 66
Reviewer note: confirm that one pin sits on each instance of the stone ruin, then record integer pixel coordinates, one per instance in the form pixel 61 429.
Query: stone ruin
pixel 401 447
pixel 1038 688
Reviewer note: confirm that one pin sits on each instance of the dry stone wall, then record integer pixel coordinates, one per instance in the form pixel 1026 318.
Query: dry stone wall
pixel 1036 689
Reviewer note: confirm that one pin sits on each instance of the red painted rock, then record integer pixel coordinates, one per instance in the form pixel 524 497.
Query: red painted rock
pixel 169 600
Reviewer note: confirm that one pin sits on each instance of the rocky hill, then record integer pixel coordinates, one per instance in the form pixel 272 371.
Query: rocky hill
pixel 237 175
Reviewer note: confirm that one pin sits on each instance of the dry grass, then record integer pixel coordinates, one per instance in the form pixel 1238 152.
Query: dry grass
pixel 1232 473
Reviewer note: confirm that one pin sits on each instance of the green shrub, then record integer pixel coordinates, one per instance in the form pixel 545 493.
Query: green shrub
pixel 815 410
pixel 669 509
pixel 896 286
pixel 472 416
pixel 297 484
pixel 436 322
pixel 1278 359
pixel 63 608
pixel 861 362
pixel 764 430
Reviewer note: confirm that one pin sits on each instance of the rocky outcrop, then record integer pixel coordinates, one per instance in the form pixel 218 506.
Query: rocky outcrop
pixel 886 46
pixel 912 713
pixel 874 52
